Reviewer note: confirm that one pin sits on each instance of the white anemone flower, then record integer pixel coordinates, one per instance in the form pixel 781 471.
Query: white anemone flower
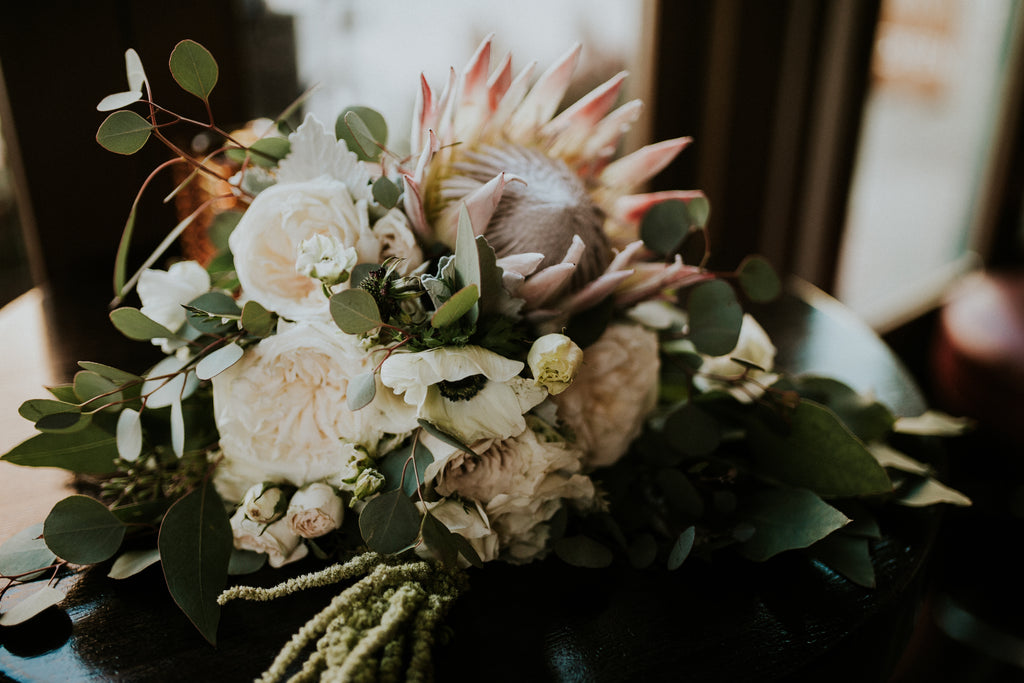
pixel 468 392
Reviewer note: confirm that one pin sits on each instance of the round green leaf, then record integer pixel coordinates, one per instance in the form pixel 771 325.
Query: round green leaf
pixel 692 430
pixel 715 318
pixel 195 544
pixel 785 519
pixel 257 320
pixel 42 599
pixel 758 279
pixel 133 324
pixel 681 548
pixel 364 131
pixel 355 311
pixel 24 552
pixel 245 562
pixel 82 530
pixel 124 132
pixel 390 523
pixel 700 211
pixel 218 361
pixel 665 226
pixel 386 193
pixel 361 390
pixel 205 311
pixel 129 435
pixel 194 68
pixel 265 152
pixel 71 421
pixel 131 562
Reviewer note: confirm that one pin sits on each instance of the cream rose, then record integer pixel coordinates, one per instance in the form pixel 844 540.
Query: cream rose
pixel 468 521
pixel 315 510
pixel 521 483
pixel 753 346
pixel 398 241
pixel 282 414
pixel 554 360
pixel 276 540
pixel 266 242
pixel 264 503
pixel 614 391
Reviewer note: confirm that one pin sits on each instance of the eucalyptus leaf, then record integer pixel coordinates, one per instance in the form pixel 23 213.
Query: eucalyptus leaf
pixel 444 436
pixel 355 311
pixel 700 210
pixel 113 374
pixel 467 551
pixel 132 323
pixel 89 451
pixel 933 423
pixel 35 408
pixel 129 435
pixel 439 539
pixel 786 519
pixel 868 419
pixel 386 193
pixel 131 562
pixel 63 392
pixel 930 492
pixel 693 431
pixel 218 361
pixel 40 600
pixel 257 320
pixel 390 523
pixel 467 258
pixel 758 279
pixel 169 383
pixel 460 303
pixel 91 387
pixel 119 100
pixel 582 551
pixel 194 68
pixel 680 494
pixel 121 258
pixel 364 131
pixel 207 313
pixel 361 390
pixel 665 225
pixel 177 429
pixel 265 152
pixel 816 452
pixel 195 544
pixel 715 318
pixel 642 551
pixel 72 421
pixel 82 530
pixel 124 132
pixel 245 562
pixel 681 548
pixel 848 555
pixel 397 474
pixel 24 552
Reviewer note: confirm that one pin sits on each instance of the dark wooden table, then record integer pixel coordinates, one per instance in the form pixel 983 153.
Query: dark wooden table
pixel 727 620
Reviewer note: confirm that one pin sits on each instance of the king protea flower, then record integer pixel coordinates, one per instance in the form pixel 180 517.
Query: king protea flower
pixel 544 189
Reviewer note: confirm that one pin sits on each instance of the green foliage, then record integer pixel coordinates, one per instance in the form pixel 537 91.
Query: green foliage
pixel 364 131
pixel 121 258
pixel 132 323
pixel 194 68
pixel 715 318
pixel 460 303
pixel 265 152
pixel 666 225
pixel 692 430
pixel 258 321
pixel 42 599
pixel 398 475
pixel 219 360
pixel 758 279
pixel 124 132
pixel 390 523
pixel 386 193
pixel 583 551
pixel 642 551
pixel 467 260
pixel 24 552
pixel 195 548
pixel 213 313
pixel 355 311
pixel 681 548
pixel 131 562
pixel 847 554
pixel 245 562
pixel 816 451
pixel 444 436
pixel 91 450
pixel 868 419
pixel 361 390
pixel 785 519
pixel 82 530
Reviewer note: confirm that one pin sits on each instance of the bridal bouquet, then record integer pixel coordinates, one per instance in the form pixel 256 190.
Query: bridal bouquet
pixel 401 365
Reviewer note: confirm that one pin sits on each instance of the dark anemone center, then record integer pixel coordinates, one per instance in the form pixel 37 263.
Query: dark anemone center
pixel 462 389
pixel 539 215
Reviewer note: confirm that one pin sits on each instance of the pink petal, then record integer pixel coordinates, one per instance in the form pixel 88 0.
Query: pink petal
pixel 604 140
pixel 522 264
pixel 424 114
pixel 413 204
pixel 637 168
pixel 541 286
pixel 651 279
pixel 626 256
pixel 482 202
pixel 542 102
pixel 575 251
pixel 499 83
pixel 473 106
pixel 596 290
pixel 445 107
pixel 570 130
pixel 510 100
pixel 631 208
pixel 432 147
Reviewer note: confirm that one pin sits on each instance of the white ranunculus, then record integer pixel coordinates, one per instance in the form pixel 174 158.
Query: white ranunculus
pixel 398 241
pixel 614 391
pixel 315 510
pixel 753 346
pixel 521 483
pixel 264 503
pixel 554 360
pixel 266 241
pixel 469 392
pixel 324 258
pixel 164 292
pixel 276 540
pixel 282 414
pixel 468 521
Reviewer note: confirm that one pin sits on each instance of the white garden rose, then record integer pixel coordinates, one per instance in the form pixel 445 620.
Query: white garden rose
pixel 554 360
pixel 282 414
pixel 266 242
pixel 315 510
pixel 521 483
pixel 276 540
pixel 264 503
pixel 753 346
pixel 164 292
pixel 614 391
pixel 468 392
pixel 467 519
pixel 398 241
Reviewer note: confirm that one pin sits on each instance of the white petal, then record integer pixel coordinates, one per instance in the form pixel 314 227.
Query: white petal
pixel 219 361
pixel 315 151
pixel 119 100
pixel 129 435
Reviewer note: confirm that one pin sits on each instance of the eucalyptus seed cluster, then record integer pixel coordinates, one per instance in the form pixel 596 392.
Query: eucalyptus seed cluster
pixel 381 628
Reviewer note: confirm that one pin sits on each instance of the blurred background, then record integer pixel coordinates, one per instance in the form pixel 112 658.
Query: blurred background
pixel 871 147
